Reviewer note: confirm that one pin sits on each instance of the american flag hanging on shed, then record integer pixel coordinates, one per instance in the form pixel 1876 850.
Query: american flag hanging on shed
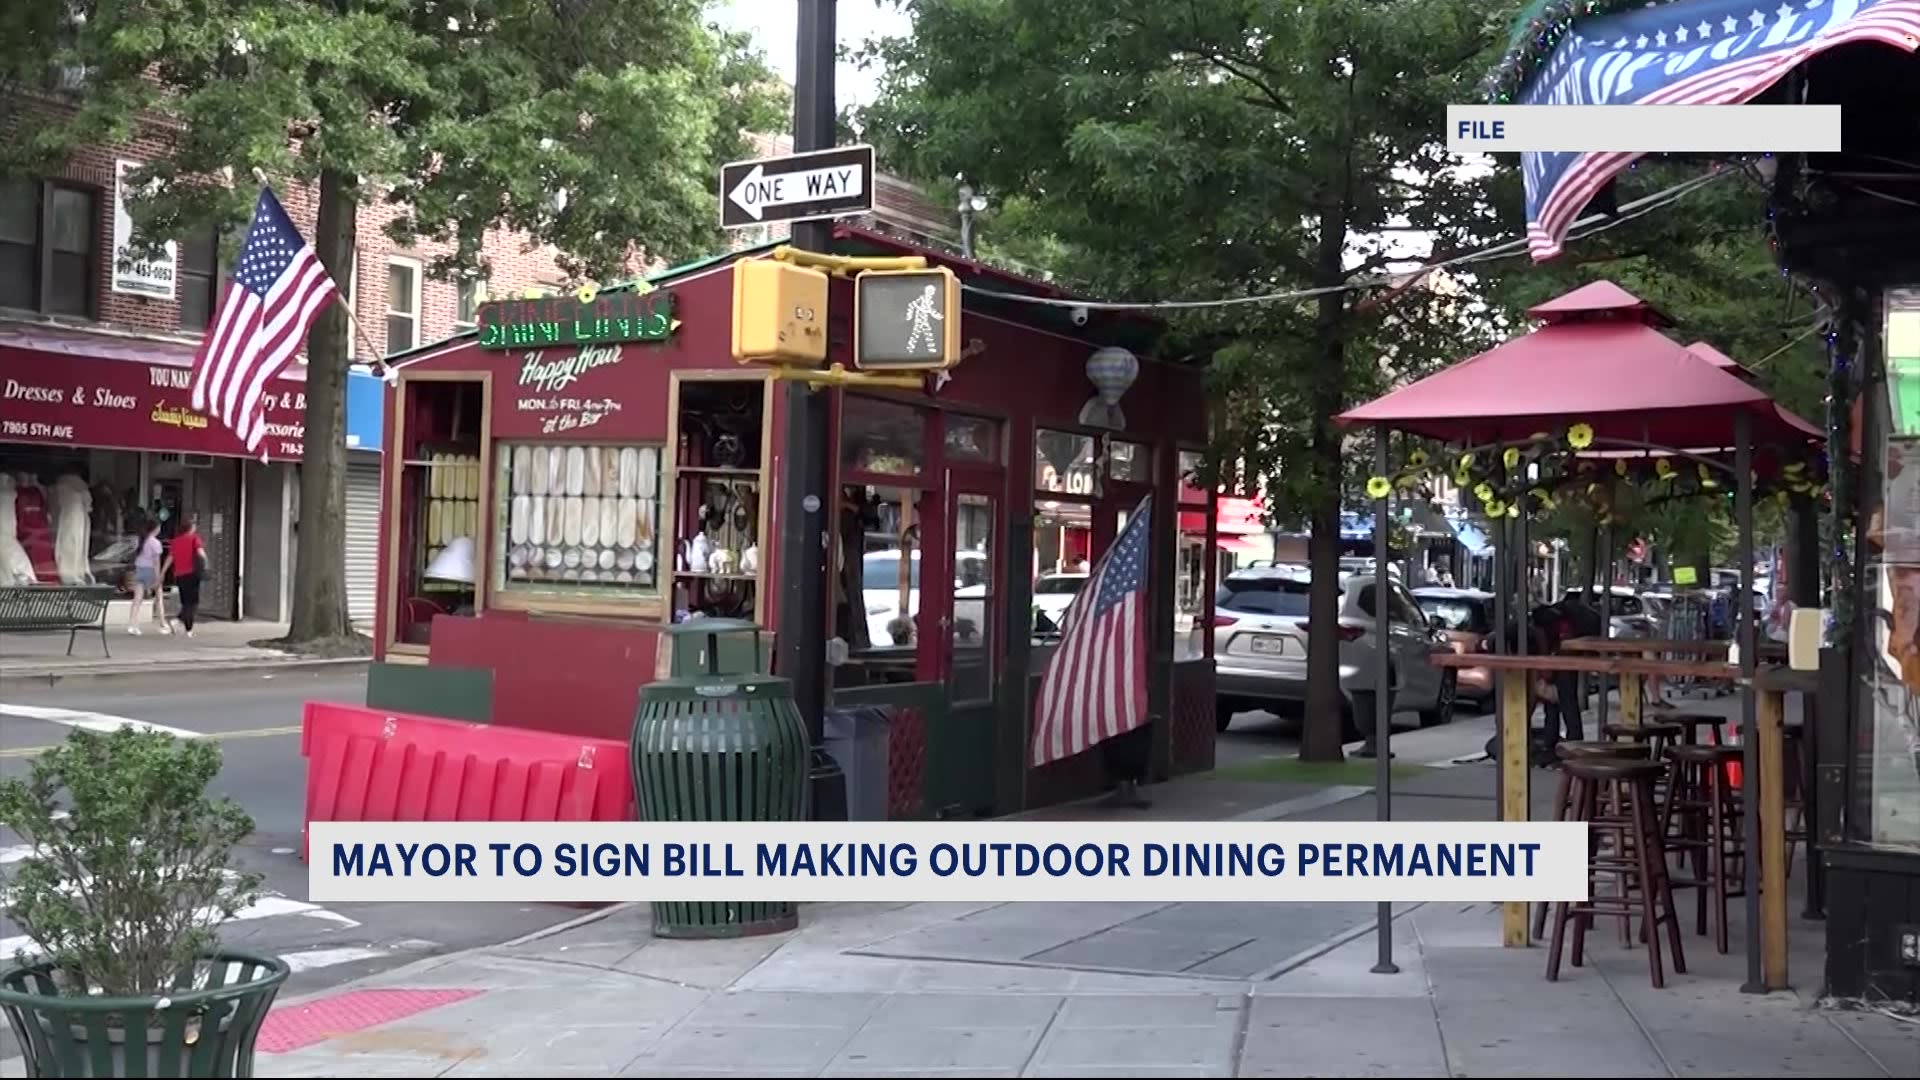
pixel 1095 685
pixel 277 290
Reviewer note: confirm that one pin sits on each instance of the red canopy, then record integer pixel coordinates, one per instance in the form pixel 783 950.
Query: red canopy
pixel 1597 360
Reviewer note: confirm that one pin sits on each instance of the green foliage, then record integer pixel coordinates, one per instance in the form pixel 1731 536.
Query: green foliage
pixel 472 113
pixel 128 877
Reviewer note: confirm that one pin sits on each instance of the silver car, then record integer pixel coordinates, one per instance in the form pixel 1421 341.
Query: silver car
pixel 1260 646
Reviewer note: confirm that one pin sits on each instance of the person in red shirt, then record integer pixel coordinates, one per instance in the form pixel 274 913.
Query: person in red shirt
pixel 189 564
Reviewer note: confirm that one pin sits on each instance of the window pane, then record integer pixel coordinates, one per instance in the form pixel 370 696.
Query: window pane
pixel 567 527
pixel 72 221
pixel 974 609
pixel 1063 461
pixel 196 301
pixel 19 211
pixel 400 287
pixel 70 289
pixel 199 252
pixel 17 266
pixel 882 437
pixel 466 302
pixel 399 333
pixel 1266 596
pixel 878 588
pixel 972 438
pixel 1130 461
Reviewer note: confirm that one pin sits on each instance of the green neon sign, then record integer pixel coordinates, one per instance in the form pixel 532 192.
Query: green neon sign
pixel 609 318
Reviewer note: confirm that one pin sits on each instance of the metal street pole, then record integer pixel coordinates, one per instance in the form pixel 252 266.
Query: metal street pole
pixel 806 508
pixel 1382 692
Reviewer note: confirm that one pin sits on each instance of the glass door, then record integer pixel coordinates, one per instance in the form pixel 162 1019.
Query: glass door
pixel 968 614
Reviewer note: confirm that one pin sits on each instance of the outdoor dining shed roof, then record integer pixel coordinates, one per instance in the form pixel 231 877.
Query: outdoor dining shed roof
pixel 1597 359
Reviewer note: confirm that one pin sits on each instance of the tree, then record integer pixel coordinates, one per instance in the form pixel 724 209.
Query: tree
pixel 1223 148
pixel 592 125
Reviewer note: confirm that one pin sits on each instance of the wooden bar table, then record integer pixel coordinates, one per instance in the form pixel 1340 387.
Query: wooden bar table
pixel 1631 712
pixel 1773 683
pixel 1515 777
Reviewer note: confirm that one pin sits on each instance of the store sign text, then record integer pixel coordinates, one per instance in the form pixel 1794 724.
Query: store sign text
pixel 119 410
pixel 569 320
pixel 542 378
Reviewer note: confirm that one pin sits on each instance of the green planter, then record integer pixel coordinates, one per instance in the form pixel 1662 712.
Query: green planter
pixel 726 744
pixel 206 1032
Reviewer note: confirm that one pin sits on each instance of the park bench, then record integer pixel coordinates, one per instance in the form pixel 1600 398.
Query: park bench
pixel 52 608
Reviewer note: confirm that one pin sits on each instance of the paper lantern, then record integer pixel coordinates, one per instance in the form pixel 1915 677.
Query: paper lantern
pixel 1112 371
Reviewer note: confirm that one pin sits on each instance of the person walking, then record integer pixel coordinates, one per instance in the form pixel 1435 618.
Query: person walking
pixel 149 570
pixel 189 569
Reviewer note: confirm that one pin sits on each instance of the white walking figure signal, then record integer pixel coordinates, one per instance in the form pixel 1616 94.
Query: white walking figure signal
pixel 923 312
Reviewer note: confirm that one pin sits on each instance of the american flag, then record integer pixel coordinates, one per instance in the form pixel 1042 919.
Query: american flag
pixel 277 290
pixel 1095 685
pixel 1740 51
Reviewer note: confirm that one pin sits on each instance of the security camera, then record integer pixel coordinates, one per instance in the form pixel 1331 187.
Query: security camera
pixel 1080 315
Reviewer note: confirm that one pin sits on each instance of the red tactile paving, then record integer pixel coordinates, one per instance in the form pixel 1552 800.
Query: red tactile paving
pixel 296 1026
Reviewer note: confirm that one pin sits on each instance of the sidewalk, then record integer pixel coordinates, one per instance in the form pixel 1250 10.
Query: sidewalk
pixel 215 646
pixel 1113 989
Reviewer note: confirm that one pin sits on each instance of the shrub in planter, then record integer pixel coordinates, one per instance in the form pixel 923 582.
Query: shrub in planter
pixel 121 898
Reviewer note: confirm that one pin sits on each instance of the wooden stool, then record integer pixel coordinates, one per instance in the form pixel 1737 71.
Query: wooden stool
pixel 1794 765
pixel 1562 795
pixel 1658 734
pixel 1635 858
pixel 1693 722
pixel 1702 819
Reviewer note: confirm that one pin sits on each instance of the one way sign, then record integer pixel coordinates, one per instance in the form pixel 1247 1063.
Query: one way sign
pixel 821 184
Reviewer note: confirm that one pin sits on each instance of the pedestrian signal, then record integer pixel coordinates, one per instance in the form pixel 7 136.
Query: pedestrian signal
pixel 906 319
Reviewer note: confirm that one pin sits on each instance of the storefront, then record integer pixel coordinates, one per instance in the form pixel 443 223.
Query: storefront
pixel 547 510
pixel 98 434
pixel 366 408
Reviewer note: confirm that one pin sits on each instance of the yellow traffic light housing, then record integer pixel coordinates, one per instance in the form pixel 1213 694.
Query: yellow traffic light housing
pixel 906 320
pixel 779 312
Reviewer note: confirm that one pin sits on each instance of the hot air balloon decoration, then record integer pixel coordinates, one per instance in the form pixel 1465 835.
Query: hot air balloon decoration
pixel 1112 371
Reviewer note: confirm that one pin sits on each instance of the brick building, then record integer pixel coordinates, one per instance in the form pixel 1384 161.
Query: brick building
pixel 94 356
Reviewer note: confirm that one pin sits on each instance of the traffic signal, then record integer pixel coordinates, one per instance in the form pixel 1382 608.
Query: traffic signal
pixel 779 312
pixel 905 320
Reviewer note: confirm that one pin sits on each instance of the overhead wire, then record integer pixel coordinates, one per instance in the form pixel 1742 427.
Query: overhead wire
pixel 1588 226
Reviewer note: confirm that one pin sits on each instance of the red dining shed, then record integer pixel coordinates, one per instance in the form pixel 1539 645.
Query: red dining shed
pixel 547 510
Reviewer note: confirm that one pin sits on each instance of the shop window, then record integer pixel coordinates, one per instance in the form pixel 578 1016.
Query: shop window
pixel 1129 461
pixel 1886 766
pixel 718 504
pixel 972 440
pixel 976 610
pixel 198 279
pixel 439 516
pixel 403 305
pixel 1062 556
pixel 72 516
pixel 49 247
pixel 1063 462
pixel 578 521
pixel 877 578
pixel 882 437
pixel 469 294
pixel 1193 581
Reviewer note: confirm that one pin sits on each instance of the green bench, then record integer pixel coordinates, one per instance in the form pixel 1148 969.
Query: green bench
pixel 52 608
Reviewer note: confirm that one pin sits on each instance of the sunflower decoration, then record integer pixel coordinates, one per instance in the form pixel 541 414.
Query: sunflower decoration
pixel 1483 491
pixel 1580 436
pixel 1416 458
pixel 1663 469
pixel 1511 458
pixel 1545 497
pixel 1706 476
pixel 1513 509
pixel 1379 487
pixel 586 294
pixel 1496 508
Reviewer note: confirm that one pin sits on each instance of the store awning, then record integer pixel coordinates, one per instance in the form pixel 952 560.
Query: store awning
pixel 1470 537
pixel 1692 52
pixel 1238 544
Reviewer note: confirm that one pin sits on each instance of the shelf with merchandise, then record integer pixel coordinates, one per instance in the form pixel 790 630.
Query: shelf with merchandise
pixel 718 499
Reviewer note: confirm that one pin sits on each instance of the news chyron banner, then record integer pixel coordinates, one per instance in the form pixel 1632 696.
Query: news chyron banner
pixel 910 862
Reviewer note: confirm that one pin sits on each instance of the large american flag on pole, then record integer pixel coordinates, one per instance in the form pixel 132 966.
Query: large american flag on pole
pixel 277 290
pixel 1095 684
pixel 1688 52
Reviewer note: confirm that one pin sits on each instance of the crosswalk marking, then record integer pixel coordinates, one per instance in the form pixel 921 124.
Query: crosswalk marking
pixel 310 959
pixel 90 721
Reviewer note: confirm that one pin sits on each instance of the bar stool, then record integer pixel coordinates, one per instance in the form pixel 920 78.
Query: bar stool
pixel 1636 858
pixel 1702 819
pixel 1794 763
pixel 1562 795
pixel 1694 721
pixel 1657 734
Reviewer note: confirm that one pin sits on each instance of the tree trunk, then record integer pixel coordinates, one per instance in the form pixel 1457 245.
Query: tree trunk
pixel 320 569
pixel 1320 732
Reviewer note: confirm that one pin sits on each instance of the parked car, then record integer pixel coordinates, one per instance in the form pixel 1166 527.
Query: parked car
pixel 1628 616
pixel 1464 618
pixel 1260 646
pixel 1052 595
pixel 880 576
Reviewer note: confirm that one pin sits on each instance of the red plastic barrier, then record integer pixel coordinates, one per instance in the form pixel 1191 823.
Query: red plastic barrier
pixel 373 765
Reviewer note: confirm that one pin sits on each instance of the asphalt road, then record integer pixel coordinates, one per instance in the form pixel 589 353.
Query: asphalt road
pixel 256 721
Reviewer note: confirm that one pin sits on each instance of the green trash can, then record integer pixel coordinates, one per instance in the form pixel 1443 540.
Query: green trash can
pixel 723 741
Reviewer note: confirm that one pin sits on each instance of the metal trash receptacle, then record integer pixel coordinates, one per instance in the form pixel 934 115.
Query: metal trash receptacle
pixel 857 739
pixel 720 745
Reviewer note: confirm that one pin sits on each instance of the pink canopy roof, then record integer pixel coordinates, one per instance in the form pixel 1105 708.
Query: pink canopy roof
pixel 1599 360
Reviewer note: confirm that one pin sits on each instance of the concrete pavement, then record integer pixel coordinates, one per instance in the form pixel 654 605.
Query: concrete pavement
pixel 215 647
pixel 255 718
